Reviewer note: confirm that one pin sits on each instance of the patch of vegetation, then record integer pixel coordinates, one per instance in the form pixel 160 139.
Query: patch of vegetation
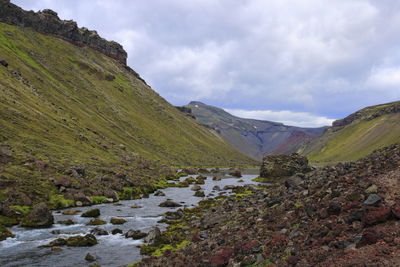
pixel 22 210
pixel 59 202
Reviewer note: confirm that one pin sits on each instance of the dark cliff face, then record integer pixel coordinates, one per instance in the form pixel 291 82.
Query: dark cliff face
pixel 48 22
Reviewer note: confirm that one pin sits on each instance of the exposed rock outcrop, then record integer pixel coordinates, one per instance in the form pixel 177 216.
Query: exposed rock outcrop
pixel 40 217
pixel 277 166
pixel 48 22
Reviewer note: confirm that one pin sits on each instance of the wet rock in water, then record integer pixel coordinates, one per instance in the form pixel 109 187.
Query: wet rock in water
pixel 57 242
pixel 55 248
pixel 66 222
pixel 275 166
pixel 82 241
pixel 117 221
pixel 199 193
pixel 40 217
pixel 216 188
pixel 91 213
pixel 99 231
pixel 90 257
pixel 136 207
pixel 235 172
pixel 5 233
pixel 372 200
pixel 217 178
pixel 229 187
pixel 174 215
pixel 152 237
pixel 70 212
pixel 96 221
pixel 116 231
pixel 159 193
pixel 240 181
pixel 195 187
pixel 135 234
pixel 169 204
pixel 94 265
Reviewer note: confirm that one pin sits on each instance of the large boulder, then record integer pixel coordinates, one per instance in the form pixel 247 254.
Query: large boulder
pixel 169 204
pixel 82 241
pixel 153 236
pixel 91 213
pixel 40 217
pixel 277 166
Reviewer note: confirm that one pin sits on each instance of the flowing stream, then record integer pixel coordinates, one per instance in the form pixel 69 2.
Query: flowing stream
pixel 111 250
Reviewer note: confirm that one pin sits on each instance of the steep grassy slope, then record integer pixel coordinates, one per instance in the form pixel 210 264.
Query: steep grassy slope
pixel 357 135
pixel 72 111
pixel 253 137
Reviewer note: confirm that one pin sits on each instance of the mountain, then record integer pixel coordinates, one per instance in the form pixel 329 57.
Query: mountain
pixel 253 137
pixel 71 108
pixel 357 135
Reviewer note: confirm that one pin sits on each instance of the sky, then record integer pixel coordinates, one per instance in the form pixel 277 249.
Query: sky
pixel 300 62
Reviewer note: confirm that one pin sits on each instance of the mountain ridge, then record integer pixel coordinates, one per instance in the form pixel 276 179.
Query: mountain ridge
pixel 253 137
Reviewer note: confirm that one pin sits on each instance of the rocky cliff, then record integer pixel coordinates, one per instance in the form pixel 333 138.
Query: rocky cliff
pixel 48 22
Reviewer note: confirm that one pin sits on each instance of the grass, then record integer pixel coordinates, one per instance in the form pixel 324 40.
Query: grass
pixel 358 140
pixel 58 107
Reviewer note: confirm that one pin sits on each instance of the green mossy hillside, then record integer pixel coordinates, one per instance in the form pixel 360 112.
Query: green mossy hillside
pixel 357 135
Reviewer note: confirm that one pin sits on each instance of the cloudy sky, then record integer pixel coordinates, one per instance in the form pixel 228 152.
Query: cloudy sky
pixel 303 62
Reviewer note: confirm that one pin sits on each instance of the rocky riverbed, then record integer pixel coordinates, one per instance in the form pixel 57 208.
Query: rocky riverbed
pixel 31 247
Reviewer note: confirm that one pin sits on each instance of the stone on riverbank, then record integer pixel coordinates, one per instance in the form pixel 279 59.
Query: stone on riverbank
pixel 277 166
pixel 91 213
pixel 169 204
pixel 40 217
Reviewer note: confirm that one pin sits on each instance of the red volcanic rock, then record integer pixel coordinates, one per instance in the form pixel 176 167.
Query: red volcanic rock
pixel 222 257
pixel 369 237
pixel 377 215
pixel 396 210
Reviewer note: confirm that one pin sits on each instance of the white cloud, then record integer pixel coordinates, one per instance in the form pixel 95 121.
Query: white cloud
pixel 301 119
pixel 385 78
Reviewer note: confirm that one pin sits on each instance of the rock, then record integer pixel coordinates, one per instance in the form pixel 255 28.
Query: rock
pixel 293 182
pixel 229 187
pixel 55 248
pixel 216 188
pixel 135 234
pixel 70 212
pixel 369 237
pixel 90 257
pixel 159 193
pixel 96 221
pixel 276 166
pixel 135 206
pixel 372 200
pixel 189 171
pixel 203 171
pixel 169 204
pixel 78 203
pixel 235 173
pixel 117 221
pixel 195 187
pixel 91 213
pixel 3 62
pixel 56 243
pixel 334 208
pixel 373 189
pixel 293 260
pixel 94 265
pixel 40 217
pixel 174 215
pixel 222 257
pixel 63 181
pixel 116 231
pixel 396 210
pixel 199 194
pixel 377 215
pixel 82 241
pixel 152 236
pixel 99 231
pixel 67 222
pixel 5 233
pixel 217 178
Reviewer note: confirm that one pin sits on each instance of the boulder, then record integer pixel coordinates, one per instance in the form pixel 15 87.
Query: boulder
pixel 235 173
pixel 376 215
pixel 199 193
pixel 135 234
pixel 96 221
pixel 195 187
pixel 5 233
pixel 91 213
pixel 217 188
pixel 372 200
pixel 82 241
pixel 159 193
pixel 63 181
pixel 153 236
pixel 169 204
pixel 40 217
pixel 3 62
pixel 90 257
pixel 116 231
pixel 98 231
pixel 277 166
pixel 66 222
pixel 117 221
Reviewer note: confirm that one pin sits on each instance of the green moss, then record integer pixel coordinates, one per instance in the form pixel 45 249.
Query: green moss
pixel 7 221
pixel 99 200
pixel 23 210
pixel 59 202
pixel 160 251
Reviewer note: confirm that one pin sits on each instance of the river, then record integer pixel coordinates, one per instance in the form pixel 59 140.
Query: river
pixel 112 250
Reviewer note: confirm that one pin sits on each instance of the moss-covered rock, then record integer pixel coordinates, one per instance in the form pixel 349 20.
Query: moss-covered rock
pixel 40 217
pixel 5 233
pixel 117 221
pixel 96 221
pixel 91 213
pixel 82 241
